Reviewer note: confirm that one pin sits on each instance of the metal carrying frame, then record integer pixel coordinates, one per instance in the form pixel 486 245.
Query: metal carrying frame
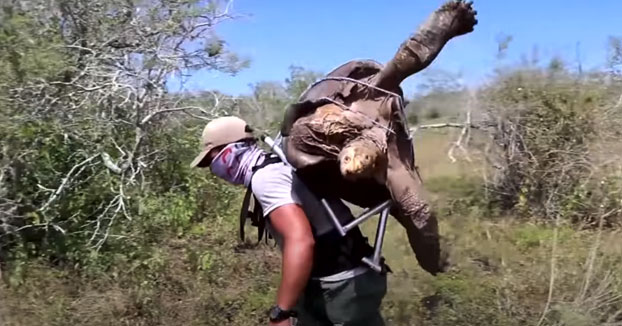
pixel 374 262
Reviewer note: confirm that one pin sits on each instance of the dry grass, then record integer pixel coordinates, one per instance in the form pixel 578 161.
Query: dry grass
pixel 198 280
pixel 501 267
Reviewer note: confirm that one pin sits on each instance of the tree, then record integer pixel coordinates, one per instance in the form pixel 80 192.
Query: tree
pixel 299 80
pixel 86 105
pixel 265 107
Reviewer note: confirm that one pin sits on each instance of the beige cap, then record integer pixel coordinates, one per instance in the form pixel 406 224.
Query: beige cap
pixel 221 131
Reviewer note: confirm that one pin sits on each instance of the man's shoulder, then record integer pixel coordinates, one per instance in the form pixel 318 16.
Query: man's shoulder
pixel 270 171
pixel 271 175
pixel 272 186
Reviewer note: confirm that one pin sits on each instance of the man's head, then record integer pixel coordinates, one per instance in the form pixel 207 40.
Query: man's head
pixel 217 134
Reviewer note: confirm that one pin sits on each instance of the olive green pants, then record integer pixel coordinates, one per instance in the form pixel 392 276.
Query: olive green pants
pixel 350 302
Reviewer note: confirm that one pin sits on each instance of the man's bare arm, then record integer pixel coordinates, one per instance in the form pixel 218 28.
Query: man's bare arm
pixel 292 224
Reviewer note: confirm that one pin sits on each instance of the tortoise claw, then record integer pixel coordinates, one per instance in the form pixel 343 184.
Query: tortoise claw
pixel 461 15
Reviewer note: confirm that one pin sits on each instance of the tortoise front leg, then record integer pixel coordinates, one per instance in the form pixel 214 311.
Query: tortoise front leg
pixel 454 18
pixel 413 212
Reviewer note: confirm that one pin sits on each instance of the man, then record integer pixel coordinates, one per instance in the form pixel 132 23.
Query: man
pixel 323 281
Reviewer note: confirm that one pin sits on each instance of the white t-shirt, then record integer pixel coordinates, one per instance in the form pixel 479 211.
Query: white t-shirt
pixel 276 185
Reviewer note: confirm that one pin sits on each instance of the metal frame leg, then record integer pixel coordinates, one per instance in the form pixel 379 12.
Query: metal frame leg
pixel 362 218
pixel 374 262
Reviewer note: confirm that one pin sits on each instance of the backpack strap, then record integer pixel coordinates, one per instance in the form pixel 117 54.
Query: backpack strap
pixel 256 214
pixel 269 159
pixel 244 212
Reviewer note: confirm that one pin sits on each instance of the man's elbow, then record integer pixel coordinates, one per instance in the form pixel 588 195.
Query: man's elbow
pixel 303 243
pixel 306 242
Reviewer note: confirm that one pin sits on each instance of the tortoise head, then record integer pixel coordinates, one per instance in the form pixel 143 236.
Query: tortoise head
pixel 358 160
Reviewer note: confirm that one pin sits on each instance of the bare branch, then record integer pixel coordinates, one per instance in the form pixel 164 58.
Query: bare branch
pixel 442 125
pixel 110 164
pixel 65 182
pixel 153 114
pixel 459 143
pixel 29 226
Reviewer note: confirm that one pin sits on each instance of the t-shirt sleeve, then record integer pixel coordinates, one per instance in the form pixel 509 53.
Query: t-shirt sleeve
pixel 272 186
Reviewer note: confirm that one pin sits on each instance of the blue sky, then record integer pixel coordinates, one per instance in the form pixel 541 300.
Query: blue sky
pixel 321 35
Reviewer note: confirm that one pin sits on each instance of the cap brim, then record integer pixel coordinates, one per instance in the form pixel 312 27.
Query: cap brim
pixel 200 161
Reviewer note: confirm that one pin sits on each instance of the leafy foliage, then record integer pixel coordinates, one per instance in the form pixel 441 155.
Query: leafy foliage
pixel 87 123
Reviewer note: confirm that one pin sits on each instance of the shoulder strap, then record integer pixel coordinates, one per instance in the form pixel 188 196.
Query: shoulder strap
pixel 269 159
pixel 256 214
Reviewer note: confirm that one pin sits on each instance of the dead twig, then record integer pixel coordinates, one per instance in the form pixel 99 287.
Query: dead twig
pixel 65 182
pixel 464 134
pixel 549 298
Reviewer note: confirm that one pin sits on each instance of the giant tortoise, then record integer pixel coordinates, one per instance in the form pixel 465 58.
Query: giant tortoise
pixel 348 137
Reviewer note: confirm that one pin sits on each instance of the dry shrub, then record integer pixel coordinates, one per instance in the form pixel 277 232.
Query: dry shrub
pixel 548 128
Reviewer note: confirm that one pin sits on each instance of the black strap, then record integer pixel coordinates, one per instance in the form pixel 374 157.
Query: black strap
pixel 256 214
pixel 269 159
pixel 244 211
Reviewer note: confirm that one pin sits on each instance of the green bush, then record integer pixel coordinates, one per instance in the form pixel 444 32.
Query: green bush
pixel 172 199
